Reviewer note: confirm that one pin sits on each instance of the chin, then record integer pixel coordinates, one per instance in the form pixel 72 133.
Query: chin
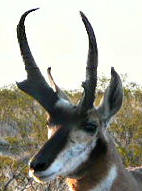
pixel 42 179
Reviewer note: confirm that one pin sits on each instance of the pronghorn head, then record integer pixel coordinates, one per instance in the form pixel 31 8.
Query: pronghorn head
pixel 78 129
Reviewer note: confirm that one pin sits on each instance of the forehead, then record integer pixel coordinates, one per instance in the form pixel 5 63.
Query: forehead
pixel 91 116
pixel 75 119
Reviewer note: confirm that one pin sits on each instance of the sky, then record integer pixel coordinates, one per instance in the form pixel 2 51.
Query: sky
pixel 58 39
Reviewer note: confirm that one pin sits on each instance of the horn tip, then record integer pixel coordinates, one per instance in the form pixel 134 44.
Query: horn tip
pixel 82 15
pixel 31 10
pixel 49 69
pixel 21 22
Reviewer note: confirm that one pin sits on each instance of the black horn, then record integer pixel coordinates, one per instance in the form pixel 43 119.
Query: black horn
pixel 35 84
pixel 91 70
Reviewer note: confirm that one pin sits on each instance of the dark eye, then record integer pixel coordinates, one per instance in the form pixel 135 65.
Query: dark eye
pixel 90 127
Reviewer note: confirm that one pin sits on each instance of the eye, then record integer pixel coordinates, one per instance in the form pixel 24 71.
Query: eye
pixel 90 127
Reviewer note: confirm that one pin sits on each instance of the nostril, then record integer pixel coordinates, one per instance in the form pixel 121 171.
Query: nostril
pixel 37 166
pixel 41 166
pixel 31 165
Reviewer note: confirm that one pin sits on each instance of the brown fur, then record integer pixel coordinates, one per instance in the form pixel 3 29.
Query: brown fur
pixel 90 130
pixel 97 167
pixel 125 181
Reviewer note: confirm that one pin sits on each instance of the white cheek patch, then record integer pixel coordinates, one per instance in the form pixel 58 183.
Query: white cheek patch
pixel 107 182
pixel 70 159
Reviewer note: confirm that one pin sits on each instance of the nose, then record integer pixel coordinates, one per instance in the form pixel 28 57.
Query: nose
pixel 37 166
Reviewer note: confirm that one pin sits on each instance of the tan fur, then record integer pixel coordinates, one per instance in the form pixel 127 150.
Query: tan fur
pixel 127 179
pixel 124 182
pixel 81 147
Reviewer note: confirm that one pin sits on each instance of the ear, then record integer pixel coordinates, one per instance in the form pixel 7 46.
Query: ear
pixel 112 98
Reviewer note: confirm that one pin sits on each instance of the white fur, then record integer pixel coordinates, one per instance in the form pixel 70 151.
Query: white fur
pixel 68 160
pixel 107 182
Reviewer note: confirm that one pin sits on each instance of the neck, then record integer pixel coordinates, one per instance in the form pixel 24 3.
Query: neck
pixel 94 184
pixel 100 170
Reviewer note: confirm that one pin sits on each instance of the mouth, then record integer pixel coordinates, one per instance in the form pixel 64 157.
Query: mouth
pixel 42 178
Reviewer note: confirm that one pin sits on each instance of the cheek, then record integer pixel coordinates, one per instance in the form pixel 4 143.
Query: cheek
pixel 77 155
pixel 73 156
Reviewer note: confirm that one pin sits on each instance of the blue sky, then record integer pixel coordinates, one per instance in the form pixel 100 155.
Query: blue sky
pixel 58 39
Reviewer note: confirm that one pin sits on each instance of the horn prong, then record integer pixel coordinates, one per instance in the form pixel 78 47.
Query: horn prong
pixel 35 84
pixel 60 93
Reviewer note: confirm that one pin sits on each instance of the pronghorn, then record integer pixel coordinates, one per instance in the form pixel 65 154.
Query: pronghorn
pixel 80 147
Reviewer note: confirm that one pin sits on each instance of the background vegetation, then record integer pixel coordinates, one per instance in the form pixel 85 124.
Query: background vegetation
pixel 23 131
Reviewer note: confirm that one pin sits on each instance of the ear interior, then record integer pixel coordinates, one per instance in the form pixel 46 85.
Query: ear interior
pixel 112 98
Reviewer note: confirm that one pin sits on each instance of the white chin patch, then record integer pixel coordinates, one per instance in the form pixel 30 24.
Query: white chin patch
pixel 31 175
pixel 69 160
pixel 39 178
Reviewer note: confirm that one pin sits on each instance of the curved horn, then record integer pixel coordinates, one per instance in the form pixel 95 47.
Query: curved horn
pixel 91 70
pixel 35 84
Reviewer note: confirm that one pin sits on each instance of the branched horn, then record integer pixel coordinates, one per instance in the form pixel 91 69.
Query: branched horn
pixel 35 84
pixel 91 70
